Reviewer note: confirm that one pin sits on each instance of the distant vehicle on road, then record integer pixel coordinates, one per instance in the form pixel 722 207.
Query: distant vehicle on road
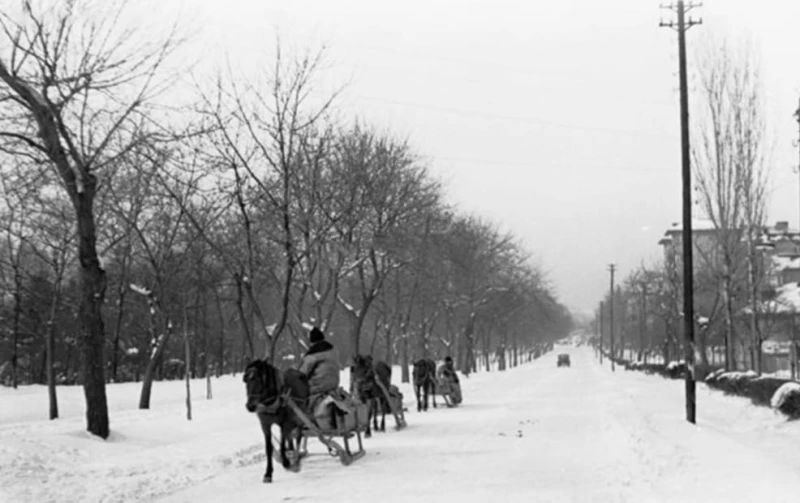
pixel 563 359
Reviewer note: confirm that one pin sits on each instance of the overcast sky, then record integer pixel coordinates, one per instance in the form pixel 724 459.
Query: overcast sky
pixel 558 120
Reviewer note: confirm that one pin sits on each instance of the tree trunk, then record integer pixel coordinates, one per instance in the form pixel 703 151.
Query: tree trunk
pixel 156 352
pixel 187 364
pixel 92 335
pixel 117 333
pixel 358 323
pixel 404 374
pixel 246 336
pixel 730 350
pixel 389 356
pixel 50 349
pixel 120 313
pixel 17 311
pixel 221 357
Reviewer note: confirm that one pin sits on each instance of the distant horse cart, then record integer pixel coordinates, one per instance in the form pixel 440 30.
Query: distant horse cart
pixel 450 391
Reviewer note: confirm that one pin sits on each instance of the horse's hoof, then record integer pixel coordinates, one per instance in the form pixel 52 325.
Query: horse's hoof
pixel 267 479
pixel 367 434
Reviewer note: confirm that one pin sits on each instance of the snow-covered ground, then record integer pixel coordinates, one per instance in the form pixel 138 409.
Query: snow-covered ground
pixel 533 433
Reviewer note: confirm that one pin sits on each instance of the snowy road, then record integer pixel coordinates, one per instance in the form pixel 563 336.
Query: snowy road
pixel 534 433
pixel 538 433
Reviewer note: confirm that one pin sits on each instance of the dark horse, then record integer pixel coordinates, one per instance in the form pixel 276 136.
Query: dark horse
pixel 267 392
pixel 424 376
pixel 364 375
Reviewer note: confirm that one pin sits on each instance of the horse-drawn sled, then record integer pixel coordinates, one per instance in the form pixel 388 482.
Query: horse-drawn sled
pixel 283 399
pixel 430 381
pixel 371 381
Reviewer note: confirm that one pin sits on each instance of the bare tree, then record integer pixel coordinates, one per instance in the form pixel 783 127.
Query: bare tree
pixel 259 130
pixel 730 169
pixel 74 83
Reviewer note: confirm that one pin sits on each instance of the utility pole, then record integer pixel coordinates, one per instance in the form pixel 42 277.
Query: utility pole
pixel 601 332
pixel 793 352
pixel 797 142
pixel 688 280
pixel 611 316
pixel 643 323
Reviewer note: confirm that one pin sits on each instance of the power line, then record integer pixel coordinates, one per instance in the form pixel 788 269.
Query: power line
pixel 541 84
pixel 532 120
pixel 551 166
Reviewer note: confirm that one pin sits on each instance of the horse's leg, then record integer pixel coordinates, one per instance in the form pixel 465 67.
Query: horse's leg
pixel 432 385
pixel 266 428
pixel 417 394
pixel 385 405
pixel 370 412
pixel 286 438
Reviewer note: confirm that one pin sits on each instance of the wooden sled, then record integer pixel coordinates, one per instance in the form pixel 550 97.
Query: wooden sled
pixel 397 411
pixel 450 392
pixel 345 455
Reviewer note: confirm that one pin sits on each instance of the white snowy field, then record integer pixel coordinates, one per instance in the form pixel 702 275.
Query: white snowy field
pixel 533 433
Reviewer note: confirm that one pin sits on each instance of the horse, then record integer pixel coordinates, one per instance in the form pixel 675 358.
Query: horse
pixel 267 392
pixel 424 376
pixel 364 375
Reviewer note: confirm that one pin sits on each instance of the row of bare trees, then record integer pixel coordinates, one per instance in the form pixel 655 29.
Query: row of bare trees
pixel 142 241
pixel 729 160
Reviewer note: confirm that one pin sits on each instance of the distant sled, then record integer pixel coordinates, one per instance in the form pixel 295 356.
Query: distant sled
pixel 449 390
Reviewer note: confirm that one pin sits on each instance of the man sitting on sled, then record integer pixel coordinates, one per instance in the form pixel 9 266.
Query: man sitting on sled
pixel 321 365
pixel 326 400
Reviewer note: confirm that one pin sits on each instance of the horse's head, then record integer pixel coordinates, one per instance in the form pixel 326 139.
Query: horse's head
pixel 362 366
pixel 260 379
pixel 362 372
pixel 422 370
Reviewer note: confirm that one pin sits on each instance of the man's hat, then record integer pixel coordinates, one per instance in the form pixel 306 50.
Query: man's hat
pixel 316 335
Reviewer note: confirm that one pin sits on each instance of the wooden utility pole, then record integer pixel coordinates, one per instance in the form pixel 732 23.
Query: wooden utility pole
pixel 611 317
pixel 688 280
pixel 601 332
pixel 797 142
pixel 643 322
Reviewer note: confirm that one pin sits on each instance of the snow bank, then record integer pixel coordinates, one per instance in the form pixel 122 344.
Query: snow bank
pixel 713 376
pixel 787 399
pixel 782 395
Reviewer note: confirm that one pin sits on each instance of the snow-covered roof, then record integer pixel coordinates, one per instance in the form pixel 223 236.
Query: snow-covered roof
pixel 779 229
pixel 780 263
pixel 697 225
pixel 787 300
